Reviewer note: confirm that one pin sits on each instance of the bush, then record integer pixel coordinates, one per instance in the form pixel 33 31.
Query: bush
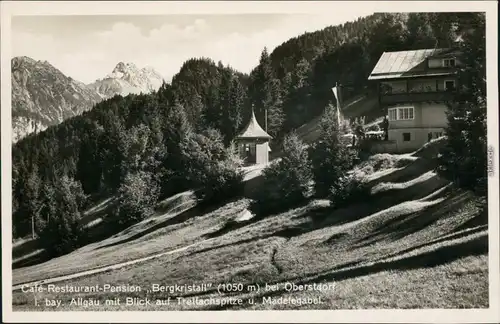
pixel 286 183
pixel 62 234
pixel 138 195
pixel 374 128
pixel 212 168
pixel 222 181
pixel 348 190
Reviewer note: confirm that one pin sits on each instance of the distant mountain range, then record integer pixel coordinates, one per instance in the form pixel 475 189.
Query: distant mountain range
pixel 126 78
pixel 43 96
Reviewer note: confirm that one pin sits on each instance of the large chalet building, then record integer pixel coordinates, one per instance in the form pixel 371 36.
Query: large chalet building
pixel 413 89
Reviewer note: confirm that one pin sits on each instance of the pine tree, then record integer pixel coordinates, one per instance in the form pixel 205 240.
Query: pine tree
pixel 330 157
pixel 233 112
pixel 110 154
pixel 212 115
pixel 274 106
pixel 89 165
pixel 262 87
pixel 266 95
pixel 463 158
pixel 134 144
pixel 178 129
pixel 61 231
pixel 418 33
pixel 224 123
pixel 301 75
pixel 27 190
pixel 197 108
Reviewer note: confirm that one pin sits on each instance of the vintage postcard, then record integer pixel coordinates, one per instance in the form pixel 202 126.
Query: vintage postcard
pixel 255 161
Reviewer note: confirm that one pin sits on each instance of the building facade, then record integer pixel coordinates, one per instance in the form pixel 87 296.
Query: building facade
pixel 414 88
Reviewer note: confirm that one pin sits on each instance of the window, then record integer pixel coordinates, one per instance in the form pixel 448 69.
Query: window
pixel 401 113
pixel 405 113
pixel 449 62
pixel 449 85
pixel 393 114
pixel 406 137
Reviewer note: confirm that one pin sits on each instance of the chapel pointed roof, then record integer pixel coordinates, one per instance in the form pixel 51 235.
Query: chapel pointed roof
pixel 253 130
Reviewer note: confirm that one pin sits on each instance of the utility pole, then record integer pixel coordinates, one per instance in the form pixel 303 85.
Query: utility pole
pixel 33 221
pixel 336 92
pixel 265 118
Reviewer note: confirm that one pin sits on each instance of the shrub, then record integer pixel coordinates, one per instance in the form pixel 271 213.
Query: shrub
pixel 347 190
pixel 62 234
pixel 286 183
pixel 374 128
pixel 138 195
pixel 212 168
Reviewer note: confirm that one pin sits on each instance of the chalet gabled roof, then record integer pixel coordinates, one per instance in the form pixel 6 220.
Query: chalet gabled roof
pixel 409 64
pixel 253 130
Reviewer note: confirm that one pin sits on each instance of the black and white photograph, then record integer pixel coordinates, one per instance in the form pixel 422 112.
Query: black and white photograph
pixel 204 157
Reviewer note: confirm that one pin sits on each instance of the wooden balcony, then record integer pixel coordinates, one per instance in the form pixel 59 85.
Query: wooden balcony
pixel 405 97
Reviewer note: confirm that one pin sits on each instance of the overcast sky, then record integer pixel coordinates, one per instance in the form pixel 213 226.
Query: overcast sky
pixel 89 47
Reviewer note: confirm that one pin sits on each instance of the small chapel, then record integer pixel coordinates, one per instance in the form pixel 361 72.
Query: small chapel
pixel 253 143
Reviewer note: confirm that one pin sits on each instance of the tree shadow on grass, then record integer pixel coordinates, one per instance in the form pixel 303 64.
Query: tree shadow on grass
pixel 329 216
pixel 454 236
pixel 286 233
pixel 407 224
pixel 439 256
pixel 25 248
pixel 415 191
pixel 38 258
pixel 480 219
pixel 177 219
pixel 406 173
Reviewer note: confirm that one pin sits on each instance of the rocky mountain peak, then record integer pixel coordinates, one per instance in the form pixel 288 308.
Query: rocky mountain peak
pixel 43 96
pixel 127 78
pixel 124 68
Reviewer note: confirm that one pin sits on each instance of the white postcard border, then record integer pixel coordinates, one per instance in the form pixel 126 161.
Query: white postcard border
pixel 11 8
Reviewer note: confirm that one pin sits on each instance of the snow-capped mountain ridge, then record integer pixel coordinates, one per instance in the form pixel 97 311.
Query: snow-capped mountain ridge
pixel 127 78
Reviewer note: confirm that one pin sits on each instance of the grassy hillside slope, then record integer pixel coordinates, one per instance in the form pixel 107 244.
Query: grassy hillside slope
pixel 27 252
pixel 419 242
